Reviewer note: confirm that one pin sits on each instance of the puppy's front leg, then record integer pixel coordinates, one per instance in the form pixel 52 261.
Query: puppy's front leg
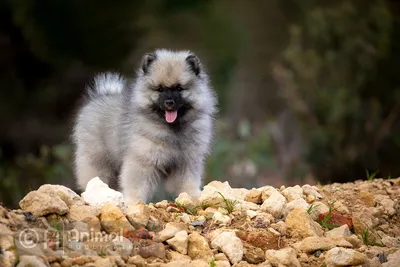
pixel 190 179
pixel 138 180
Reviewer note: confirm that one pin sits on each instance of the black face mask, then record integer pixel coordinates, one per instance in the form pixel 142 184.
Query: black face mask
pixel 170 98
pixel 171 105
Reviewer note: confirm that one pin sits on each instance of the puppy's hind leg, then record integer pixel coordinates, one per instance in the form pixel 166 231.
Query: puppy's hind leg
pixel 137 180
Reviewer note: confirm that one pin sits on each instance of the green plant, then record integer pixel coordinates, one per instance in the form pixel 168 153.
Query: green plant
pixel 309 210
pixel 193 210
pixel 324 222
pixel 229 203
pixel 212 263
pixel 370 176
pixel 368 238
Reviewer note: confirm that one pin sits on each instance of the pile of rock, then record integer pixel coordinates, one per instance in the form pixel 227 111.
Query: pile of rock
pixel 354 224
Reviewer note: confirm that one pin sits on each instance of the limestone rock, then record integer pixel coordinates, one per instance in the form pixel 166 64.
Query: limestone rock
pixel 30 261
pixel 297 203
pixel 230 244
pixel 67 195
pixel 173 255
pixel 283 258
pixel 317 209
pixel 222 264
pixel 253 255
pixel 293 193
pixel 311 191
pixel 343 257
pixel 103 262
pixel 98 193
pixel 242 264
pixel 138 215
pixel 179 242
pixel 275 204
pixel 42 204
pixel 221 219
pixel 113 221
pixel 299 223
pixel 386 203
pixel 393 260
pixel 82 213
pixel 153 250
pixel 254 196
pixel 340 207
pixel 251 213
pixel 169 231
pixel 342 231
pixel 314 243
pixel 198 248
pixel 267 191
pixel 185 200
pixel 122 245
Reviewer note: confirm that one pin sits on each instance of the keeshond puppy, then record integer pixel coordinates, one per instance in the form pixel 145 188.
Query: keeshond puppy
pixel 156 128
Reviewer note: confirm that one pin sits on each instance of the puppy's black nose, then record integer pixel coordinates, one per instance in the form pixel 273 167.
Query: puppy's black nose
pixel 169 103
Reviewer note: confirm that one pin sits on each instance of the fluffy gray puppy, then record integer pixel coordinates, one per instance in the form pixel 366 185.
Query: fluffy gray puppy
pixel 157 128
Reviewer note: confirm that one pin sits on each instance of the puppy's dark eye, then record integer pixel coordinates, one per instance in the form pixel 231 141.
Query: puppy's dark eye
pixel 160 89
pixel 180 89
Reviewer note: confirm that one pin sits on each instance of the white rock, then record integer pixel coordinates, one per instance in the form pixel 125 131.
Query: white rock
pixel 275 204
pixel 293 193
pixel 97 193
pixel 317 209
pixel 267 191
pixel 297 203
pixel 393 260
pixel 343 257
pixel 314 243
pixel 168 232
pixel 244 205
pixel 185 218
pixel 239 193
pixel 67 195
pixel 42 204
pixel 230 244
pixel 386 203
pixel 211 193
pixel 123 245
pixel 221 219
pixel 28 261
pixel 251 213
pixel 311 191
pixel 185 200
pixel 138 215
pixel 339 206
pixel 342 231
pixel 179 242
pixel 283 258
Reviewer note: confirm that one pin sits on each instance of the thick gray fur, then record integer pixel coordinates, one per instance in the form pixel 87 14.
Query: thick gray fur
pixel 117 134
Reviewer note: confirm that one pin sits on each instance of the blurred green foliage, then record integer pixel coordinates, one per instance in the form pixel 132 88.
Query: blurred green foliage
pixel 329 78
pixel 330 66
pixel 52 165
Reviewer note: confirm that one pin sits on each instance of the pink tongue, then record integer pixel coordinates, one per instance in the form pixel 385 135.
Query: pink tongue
pixel 170 116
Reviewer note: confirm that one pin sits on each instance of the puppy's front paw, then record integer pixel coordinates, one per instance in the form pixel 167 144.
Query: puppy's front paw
pixel 131 201
pixel 194 193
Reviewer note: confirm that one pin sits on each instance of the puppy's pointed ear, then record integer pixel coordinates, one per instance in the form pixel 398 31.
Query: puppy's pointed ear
pixel 194 63
pixel 147 60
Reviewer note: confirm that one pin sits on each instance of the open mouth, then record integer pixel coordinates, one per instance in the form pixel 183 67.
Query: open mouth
pixel 171 115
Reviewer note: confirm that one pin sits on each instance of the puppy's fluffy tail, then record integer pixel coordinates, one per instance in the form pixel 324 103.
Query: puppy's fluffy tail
pixel 108 83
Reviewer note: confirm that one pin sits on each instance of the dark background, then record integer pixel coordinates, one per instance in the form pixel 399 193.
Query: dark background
pixel 309 90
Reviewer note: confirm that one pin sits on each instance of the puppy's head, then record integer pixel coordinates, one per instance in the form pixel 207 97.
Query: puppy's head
pixel 172 85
